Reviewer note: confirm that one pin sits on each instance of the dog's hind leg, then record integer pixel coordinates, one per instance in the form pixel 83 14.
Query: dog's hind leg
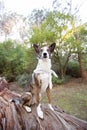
pixel 38 95
pixel 49 98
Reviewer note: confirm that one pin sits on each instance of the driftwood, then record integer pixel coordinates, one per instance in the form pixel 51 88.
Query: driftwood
pixel 14 116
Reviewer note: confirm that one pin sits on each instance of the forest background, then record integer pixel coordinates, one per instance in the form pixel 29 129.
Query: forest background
pixel 43 26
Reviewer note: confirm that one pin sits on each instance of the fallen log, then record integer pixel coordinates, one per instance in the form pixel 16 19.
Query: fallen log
pixel 14 116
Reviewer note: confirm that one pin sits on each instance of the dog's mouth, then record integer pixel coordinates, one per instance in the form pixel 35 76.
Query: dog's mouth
pixel 44 56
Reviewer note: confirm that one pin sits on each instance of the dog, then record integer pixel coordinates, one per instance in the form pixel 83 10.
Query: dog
pixel 43 74
pixel 41 80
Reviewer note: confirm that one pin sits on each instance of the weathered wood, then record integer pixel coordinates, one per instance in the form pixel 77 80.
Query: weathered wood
pixel 3 83
pixel 14 116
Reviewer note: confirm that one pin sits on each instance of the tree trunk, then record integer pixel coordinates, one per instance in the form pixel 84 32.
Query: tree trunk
pixel 62 75
pixel 82 69
pixel 66 62
pixel 14 116
pixel 80 59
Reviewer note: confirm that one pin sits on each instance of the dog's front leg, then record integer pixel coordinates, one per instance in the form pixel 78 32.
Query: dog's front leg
pixel 25 100
pixel 49 98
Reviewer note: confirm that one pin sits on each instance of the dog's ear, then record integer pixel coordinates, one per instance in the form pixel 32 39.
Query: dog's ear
pixel 37 48
pixel 52 47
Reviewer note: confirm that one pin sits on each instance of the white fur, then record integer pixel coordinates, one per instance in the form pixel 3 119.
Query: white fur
pixel 45 51
pixel 27 108
pixel 44 65
pixel 50 106
pixel 39 111
pixel 44 69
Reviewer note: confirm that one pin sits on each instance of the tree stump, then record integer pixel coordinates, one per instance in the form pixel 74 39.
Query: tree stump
pixel 14 116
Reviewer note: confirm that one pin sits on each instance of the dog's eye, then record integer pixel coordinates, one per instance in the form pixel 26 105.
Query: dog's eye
pixel 41 50
pixel 48 50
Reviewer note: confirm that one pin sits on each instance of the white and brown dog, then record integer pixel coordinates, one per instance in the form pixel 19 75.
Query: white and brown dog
pixel 43 74
pixel 41 80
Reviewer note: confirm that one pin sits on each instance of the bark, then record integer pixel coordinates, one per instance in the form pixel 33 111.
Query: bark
pixel 60 66
pixel 63 67
pixel 66 62
pixel 81 64
pixel 14 116
pixel 80 59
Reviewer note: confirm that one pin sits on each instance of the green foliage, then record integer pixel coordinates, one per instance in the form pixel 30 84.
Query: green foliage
pixel 15 60
pixel 73 69
pixel 54 26
pixel 42 34
pixel 57 80
pixel 61 81
pixel 60 26
pixel 51 28
pixel 23 79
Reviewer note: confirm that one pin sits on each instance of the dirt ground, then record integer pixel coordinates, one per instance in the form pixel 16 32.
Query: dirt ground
pixel 71 97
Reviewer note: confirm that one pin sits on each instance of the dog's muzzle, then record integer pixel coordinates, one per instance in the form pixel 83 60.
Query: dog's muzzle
pixel 45 55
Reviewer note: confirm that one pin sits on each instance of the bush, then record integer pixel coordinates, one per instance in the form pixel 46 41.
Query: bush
pixel 23 79
pixel 73 69
pixel 15 60
pixel 61 81
pixel 57 80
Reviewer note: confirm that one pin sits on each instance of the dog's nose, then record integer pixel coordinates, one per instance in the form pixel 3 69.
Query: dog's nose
pixel 45 55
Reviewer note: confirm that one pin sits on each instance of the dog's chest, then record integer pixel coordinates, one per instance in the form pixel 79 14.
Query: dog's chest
pixel 45 81
pixel 44 65
pixel 43 69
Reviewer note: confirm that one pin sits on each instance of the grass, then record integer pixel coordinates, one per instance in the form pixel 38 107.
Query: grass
pixel 71 97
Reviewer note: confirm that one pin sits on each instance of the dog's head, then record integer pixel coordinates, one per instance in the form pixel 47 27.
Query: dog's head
pixel 44 52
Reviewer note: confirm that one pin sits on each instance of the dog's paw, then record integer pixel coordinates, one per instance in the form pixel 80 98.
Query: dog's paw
pixel 53 72
pixel 39 112
pixel 50 106
pixel 28 109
